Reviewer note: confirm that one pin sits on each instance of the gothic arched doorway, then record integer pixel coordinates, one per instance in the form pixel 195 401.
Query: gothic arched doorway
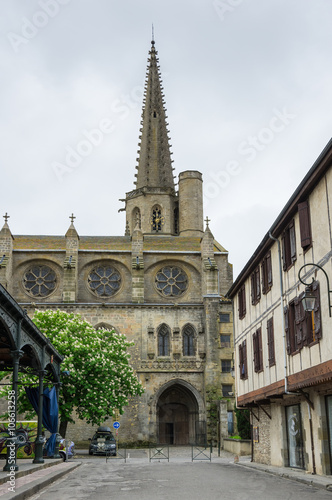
pixel 177 414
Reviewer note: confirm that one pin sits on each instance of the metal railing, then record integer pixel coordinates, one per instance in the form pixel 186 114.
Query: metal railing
pixel 159 452
pixel 201 452
pixel 121 454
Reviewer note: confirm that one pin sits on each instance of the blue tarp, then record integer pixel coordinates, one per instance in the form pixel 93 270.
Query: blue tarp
pixel 50 413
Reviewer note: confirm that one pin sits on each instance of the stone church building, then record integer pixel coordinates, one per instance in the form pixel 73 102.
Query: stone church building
pixel 161 284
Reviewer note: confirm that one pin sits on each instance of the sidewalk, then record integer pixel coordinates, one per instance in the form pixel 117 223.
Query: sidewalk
pixel 324 482
pixel 31 478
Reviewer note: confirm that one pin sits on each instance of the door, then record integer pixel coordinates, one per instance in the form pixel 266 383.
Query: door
pixel 294 434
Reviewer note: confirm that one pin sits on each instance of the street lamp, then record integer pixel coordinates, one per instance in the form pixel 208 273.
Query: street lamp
pixel 308 299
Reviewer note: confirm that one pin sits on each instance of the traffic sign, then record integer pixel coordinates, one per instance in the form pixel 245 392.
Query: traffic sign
pixel 116 425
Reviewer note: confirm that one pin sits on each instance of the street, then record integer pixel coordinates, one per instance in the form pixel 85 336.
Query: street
pixel 174 480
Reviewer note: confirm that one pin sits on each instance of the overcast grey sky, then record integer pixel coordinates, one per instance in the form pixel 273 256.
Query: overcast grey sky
pixel 248 89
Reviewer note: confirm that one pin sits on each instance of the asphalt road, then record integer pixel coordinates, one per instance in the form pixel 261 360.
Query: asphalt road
pixel 179 479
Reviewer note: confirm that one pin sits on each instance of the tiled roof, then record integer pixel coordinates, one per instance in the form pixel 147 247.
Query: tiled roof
pixel 113 243
pixel 39 242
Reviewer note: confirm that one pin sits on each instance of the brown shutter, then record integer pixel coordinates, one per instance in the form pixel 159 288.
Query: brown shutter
pixel 269 269
pixel 252 282
pixel 260 349
pixel 292 241
pixel 245 359
pixel 305 226
pixel 318 326
pixel 254 343
pixel 241 361
pixel 264 276
pixel 299 317
pixel 239 298
pixel 287 330
pixel 270 341
pixel 244 307
pixel 257 285
pixel 306 323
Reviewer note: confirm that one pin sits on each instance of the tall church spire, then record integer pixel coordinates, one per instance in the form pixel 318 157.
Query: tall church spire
pixel 154 163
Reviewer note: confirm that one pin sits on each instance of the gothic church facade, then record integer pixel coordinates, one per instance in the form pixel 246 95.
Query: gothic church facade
pixel 161 284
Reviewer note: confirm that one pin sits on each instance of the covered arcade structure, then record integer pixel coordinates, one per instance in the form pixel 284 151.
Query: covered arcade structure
pixel 23 348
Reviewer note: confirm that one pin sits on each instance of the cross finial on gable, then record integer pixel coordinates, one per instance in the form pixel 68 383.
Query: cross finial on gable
pixel 72 217
pixel 207 220
pixel 6 217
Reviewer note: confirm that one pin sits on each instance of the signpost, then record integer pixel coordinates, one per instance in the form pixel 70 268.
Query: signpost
pixel 116 426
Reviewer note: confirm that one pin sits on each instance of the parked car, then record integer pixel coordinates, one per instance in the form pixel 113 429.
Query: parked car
pixel 62 449
pixel 103 442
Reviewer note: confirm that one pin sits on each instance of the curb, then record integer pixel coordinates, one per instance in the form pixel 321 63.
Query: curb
pixel 22 473
pixel 35 486
pixel 320 483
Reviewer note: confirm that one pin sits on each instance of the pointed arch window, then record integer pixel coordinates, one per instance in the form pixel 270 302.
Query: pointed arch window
pixel 188 335
pixel 157 219
pixel 163 340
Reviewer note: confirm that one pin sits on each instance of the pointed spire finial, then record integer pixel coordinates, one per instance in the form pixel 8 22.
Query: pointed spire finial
pixel 72 217
pixel 6 217
pixel 207 220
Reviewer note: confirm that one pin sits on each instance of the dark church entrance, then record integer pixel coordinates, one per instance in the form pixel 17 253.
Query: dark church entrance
pixel 177 413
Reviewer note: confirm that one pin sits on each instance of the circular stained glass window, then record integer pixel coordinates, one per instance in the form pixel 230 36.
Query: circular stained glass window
pixel 104 281
pixel 39 281
pixel 171 281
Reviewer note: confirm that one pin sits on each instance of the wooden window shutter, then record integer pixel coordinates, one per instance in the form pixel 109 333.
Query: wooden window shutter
pixel 317 315
pixel 245 359
pixel 287 330
pixel 252 281
pixel 305 226
pixel 255 350
pixel 292 241
pixel 264 276
pixel 269 270
pixel 270 341
pixel 306 323
pixel 257 284
pixel 260 349
pixel 244 308
pixel 241 365
pixel 299 316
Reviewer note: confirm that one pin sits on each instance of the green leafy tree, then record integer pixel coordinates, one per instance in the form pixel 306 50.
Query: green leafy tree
pixel 99 379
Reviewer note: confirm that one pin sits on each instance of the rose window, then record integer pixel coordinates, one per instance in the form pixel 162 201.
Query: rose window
pixel 171 281
pixel 104 281
pixel 39 281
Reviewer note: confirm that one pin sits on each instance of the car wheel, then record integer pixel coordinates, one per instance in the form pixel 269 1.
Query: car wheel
pixel 90 452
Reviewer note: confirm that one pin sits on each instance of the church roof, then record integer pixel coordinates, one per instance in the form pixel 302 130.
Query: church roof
pixel 154 163
pixel 153 243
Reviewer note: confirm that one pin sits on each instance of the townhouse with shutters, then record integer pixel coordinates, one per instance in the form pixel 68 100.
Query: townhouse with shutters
pixel 283 349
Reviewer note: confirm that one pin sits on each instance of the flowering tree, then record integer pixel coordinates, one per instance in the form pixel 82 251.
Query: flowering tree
pixel 99 378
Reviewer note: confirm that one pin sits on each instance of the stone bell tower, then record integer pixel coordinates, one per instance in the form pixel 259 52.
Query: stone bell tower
pixel 153 204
